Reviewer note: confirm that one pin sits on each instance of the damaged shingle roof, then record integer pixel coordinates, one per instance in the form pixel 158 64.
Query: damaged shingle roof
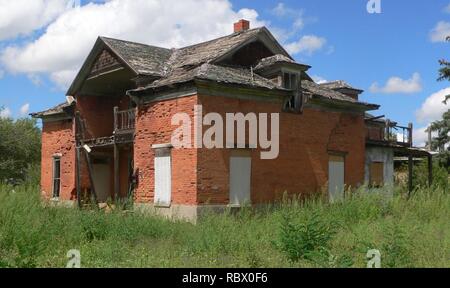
pixel 166 67
pixel 208 51
pixel 324 92
pixel 278 58
pixel 221 74
pixel 339 84
pixel 58 109
pixel 144 59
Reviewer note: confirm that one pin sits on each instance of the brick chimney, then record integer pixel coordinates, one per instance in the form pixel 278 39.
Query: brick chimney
pixel 241 25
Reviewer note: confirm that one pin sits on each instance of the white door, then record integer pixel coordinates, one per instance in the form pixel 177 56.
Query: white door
pixel 163 179
pixel 336 178
pixel 240 178
pixel 102 180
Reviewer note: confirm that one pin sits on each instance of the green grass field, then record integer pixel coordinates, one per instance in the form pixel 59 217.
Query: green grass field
pixel 408 233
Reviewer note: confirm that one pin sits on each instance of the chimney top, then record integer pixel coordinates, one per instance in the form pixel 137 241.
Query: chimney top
pixel 241 25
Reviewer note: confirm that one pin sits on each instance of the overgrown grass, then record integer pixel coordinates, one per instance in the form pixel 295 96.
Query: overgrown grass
pixel 411 232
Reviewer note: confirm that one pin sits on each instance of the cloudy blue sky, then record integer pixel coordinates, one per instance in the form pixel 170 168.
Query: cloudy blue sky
pixel 393 55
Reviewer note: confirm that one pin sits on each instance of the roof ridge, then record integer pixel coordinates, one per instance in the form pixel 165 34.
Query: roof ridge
pixel 222 37
pixel 133 42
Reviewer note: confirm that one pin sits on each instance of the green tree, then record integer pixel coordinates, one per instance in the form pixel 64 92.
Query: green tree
pixel 442 127
pixel 20 146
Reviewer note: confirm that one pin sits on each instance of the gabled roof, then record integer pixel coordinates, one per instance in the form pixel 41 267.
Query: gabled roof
pixel 149 60
pixel 165 67
pixel 143 59
pixel 214 50
pixel 340 84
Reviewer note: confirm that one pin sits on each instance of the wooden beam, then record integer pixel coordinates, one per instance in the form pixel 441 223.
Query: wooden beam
pixel 410 175
pixel 116 111
pixel 78 176
pixel 410 134
pixel 91 177
pixel 116 173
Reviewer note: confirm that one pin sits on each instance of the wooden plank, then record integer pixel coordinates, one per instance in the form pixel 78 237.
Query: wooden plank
pixel 376 174
pixel 77 177
pixel 91 177
pixel 116 111
pixel 116 173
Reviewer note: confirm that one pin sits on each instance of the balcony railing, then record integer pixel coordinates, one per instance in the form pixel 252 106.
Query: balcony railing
pixel 392 133
pixel 124 121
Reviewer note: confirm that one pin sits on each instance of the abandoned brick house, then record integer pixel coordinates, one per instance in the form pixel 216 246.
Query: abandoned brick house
pixel 111 139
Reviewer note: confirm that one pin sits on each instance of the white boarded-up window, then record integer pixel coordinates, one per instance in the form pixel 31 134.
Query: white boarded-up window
pixel 336 177
pixel 56 176
pixel 163 177
pixel 240 178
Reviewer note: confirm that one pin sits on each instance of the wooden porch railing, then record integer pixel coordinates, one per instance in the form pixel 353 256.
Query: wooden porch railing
pixel 390 132
pixel 124 121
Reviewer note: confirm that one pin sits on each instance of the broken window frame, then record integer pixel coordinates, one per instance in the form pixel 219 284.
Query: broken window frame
pixel 290 80
pixel 56 177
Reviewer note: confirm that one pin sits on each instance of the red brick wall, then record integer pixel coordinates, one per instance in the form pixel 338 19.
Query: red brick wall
pixel 202 175
pixel 153 126
pixel 302 165
pixel 374 132
pixel 98 113
pixel 58 137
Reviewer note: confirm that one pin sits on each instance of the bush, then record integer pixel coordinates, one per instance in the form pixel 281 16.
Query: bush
pixel 307 238
pixel 440 176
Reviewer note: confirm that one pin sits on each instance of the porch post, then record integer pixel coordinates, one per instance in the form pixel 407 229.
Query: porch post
pixel 77 177
pixel 116 173
pixel 91 176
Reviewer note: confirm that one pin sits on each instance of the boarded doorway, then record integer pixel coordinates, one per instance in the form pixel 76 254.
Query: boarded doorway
pixel 240 178
pixel 336 177
pixel 102 178
pixel 163 177
pixel 376 174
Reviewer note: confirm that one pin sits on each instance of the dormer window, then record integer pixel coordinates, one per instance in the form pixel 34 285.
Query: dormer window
pixel 285 73
pixel 291 81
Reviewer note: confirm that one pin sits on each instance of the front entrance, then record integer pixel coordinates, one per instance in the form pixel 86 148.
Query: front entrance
pixel 102 178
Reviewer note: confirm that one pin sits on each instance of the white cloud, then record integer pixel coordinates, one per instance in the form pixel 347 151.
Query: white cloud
pixel 319 79
pixel 2 74
pixel 25 109
pixel 64 45
pixel 35 79
pixel 420 136
pixel 5 113
pixel 447 9
pixel 21 17
pixel 307 44
pixel 433 107
pixel 287 13
pixel 440 32
pixel 399 85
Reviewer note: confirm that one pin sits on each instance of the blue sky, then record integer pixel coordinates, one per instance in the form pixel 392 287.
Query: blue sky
pixel 392 56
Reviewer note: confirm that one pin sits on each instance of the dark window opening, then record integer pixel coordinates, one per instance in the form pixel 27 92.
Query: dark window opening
pixel 56 176
pixel 291 82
